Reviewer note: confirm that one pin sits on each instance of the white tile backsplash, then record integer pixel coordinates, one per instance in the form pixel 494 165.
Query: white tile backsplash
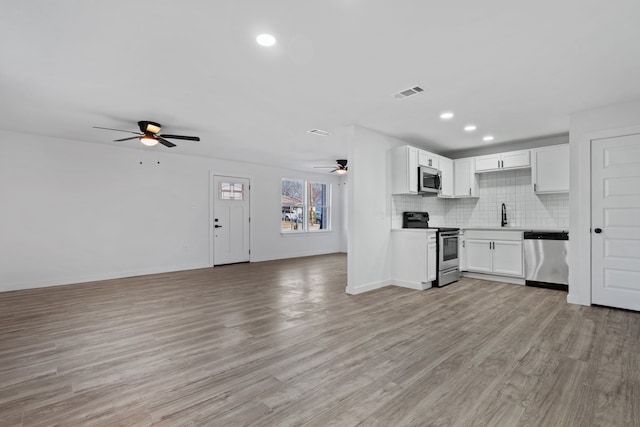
pixel 513 188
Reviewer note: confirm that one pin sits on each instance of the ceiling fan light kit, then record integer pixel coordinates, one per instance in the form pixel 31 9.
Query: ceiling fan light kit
pixel 148 141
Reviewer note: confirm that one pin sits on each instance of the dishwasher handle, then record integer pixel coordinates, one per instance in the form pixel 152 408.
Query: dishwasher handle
pixel 546 235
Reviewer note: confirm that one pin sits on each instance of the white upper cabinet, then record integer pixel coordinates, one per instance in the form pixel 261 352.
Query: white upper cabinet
pixel 488 163
pixel 510 160
pixel 404 173
pixel 550 169
pixel 426 158
pixel 446 171
pixel 465 181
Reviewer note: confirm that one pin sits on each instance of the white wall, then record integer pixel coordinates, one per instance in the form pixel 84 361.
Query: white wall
pixel 585 126
pixel 369 209
pixel 74 212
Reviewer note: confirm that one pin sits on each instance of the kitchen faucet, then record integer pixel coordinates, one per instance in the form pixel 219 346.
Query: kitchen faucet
pixel 504 215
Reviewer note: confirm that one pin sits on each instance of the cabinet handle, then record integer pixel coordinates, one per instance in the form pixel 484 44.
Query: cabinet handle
pixel 498 164
pixel 535 187
pixel 463 244
pixel 469 190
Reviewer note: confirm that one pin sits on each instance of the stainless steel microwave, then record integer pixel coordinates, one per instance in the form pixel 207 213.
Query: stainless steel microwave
pixel 429 182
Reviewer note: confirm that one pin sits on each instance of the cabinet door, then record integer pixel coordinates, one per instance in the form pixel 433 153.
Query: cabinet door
pixel 462 252
pixel 507 257
pixel 479 256
pixel 462 178
pixel 446 169
pixel 409 257
pixel 516 159
pixel 412 170
pixel 432 254
pixel 487 163
pixel 426 158
pixel 550 169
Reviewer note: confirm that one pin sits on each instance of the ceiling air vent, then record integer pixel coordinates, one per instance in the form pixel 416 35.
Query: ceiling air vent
pixel 408 92
pixel 319 132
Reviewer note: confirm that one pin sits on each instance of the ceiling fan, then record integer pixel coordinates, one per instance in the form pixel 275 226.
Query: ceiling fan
pixel 149 135
pixel 340 167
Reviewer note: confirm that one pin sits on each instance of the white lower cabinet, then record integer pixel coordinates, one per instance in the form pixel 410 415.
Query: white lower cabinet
pixel 494 252
pixel 432 255
pixel 479 255
pixel 462 251
pixel 507 258
pixel 413 258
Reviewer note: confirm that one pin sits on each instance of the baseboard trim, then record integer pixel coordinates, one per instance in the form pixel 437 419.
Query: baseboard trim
pixel 493 277
pixel 418 286
pixel 577 301
pixel 368 287
pixel 64 281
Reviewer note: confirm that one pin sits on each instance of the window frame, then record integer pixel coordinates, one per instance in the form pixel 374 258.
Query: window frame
pixel 307 205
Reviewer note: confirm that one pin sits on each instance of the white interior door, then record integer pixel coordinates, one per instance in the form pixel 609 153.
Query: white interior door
pixel 230 220
pixel 615 222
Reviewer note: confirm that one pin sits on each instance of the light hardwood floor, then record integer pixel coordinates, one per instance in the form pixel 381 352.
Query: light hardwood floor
pixel 281 344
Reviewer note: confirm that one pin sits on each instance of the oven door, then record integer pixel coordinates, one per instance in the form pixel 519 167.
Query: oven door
pixel 448 253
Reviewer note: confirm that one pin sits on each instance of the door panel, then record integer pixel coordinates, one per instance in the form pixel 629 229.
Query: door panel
pixel 615 198
pixel 230 220
pixel 479 256
pixel 516 159
pixel 507 258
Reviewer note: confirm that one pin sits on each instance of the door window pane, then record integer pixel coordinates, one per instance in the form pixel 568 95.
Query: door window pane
pixel 231 191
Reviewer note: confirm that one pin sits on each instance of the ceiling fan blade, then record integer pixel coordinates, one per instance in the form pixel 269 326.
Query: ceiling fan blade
pixel 186 138
pixel 324 167
pixel 118 130
pixel 125 139
pixel 336 169
pixel 165 142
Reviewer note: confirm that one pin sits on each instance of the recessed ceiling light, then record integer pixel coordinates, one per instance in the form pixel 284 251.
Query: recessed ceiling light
pixel 266 40
pixel 446 115
pixel 470 128
pixel 488 138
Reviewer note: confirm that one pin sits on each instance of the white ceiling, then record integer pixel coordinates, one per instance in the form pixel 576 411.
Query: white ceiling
pixel 516 69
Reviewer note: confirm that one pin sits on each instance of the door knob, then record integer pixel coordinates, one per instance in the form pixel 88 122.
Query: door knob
pixel 598 230
pixel 217 226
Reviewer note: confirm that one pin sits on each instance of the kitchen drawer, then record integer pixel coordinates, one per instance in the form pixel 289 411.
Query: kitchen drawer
pixel 493 235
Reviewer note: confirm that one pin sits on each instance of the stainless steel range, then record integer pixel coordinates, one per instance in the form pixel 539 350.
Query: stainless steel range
pixel 448 257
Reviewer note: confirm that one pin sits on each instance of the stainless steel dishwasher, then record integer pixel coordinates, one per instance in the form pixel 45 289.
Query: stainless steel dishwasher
pixel 545 259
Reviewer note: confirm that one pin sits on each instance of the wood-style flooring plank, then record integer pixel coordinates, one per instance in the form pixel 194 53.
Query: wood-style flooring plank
pixel 280 343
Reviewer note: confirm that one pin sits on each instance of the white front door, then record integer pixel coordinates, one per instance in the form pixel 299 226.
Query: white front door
pixel 230 220
pixel 615 222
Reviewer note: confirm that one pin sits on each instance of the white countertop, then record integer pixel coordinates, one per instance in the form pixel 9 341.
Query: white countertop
pixel 540 229
pixel 414 230
pixel 551 229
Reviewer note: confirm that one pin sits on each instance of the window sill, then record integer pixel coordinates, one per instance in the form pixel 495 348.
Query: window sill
pixel 304 233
